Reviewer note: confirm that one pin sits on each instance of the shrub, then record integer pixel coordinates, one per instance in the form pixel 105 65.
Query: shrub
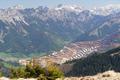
pixel 51 72
pixel 42 77
pixel 34 71
pixel 17 72
pixel 54 72
pixel 1 74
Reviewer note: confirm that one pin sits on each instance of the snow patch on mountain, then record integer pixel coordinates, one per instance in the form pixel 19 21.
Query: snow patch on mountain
pixel 106 10
pixel 17 7
pixel 61 12
pixel 75 8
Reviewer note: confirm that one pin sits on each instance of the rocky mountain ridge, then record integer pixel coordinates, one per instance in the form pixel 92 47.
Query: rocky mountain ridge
pixel 43 29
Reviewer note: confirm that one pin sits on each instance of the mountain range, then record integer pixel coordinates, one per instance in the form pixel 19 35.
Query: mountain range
pixel 44 29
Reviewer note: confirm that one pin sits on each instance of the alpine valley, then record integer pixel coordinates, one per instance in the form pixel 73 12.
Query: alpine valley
pixel 67 29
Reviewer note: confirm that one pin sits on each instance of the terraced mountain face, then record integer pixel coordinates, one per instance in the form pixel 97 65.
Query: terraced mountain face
pixel 43 29
pixel 81 49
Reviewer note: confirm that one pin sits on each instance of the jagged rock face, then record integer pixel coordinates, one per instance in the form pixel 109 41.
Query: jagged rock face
pixel 44 29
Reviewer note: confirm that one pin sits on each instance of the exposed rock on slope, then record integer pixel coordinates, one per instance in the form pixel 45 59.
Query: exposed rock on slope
pixel 43 29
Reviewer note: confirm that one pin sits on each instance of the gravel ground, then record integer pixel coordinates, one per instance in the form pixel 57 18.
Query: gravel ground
pixel 109 75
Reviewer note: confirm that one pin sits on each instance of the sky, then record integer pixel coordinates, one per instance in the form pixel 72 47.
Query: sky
pixel 53 3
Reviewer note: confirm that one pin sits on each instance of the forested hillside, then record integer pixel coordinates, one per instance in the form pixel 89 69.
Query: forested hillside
pixel 96 63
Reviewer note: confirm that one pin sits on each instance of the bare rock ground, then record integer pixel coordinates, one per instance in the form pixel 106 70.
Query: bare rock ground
pixel 109 75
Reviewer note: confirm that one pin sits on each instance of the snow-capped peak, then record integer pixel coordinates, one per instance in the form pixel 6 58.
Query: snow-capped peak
pixel 111 6
pixel 17 7
pixel 69 7
pixel 106 10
